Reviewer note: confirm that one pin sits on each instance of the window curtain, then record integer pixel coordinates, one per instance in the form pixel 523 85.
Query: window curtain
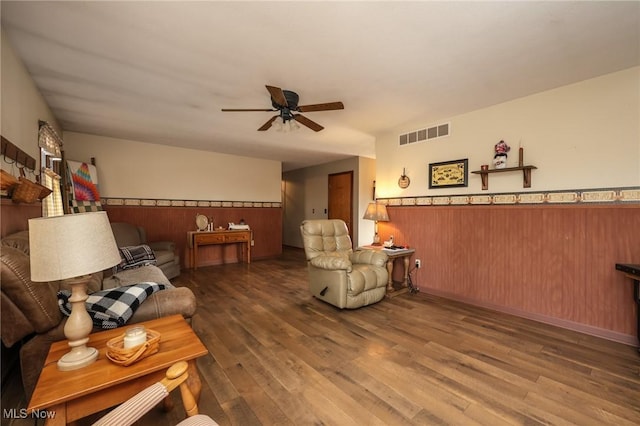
pixel 51 145
pixel 49 141
pixel 52 205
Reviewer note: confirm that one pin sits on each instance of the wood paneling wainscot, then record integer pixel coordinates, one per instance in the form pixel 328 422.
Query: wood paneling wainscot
pixel 554 264
pixel 173 223
pixel 15 217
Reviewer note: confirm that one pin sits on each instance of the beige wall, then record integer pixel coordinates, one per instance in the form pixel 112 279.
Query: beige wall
pixel 584 135
pixel 22 104
pixel 306 197
pixel 367 175
pixel 132 169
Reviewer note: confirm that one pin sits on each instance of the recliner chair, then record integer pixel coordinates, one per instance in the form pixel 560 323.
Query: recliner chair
pixel 337 274
pixel 167 260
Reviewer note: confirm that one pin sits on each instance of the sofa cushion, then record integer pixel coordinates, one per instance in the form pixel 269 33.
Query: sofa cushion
pixel 148 273
pixel 164 256
pixel 20 325
pixel 36 300
pixel 19 240
pixel 127 234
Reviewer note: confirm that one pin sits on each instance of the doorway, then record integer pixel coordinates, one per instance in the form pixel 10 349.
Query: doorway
pixel 341 198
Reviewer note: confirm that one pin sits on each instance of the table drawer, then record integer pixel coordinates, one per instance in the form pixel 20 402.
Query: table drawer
pixel 209 238
pixel 236 238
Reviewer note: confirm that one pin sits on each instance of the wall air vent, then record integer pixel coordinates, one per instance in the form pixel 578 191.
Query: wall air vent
pixel 433 132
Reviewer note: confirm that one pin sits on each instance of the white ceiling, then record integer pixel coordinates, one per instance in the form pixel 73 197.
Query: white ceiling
pixel 161 71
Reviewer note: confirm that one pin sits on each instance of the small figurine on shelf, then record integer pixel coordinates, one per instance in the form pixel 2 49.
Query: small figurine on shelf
pixel 500 158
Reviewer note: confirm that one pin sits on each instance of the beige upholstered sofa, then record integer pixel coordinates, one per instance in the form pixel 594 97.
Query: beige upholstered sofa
pixel 337 274
pixel 127 234
pixel 30 313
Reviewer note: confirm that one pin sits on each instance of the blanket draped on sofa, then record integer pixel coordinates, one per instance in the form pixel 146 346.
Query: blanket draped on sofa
pixel 112 308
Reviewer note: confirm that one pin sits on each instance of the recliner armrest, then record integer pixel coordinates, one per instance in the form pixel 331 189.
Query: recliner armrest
pixel 162 245
pixel 176 300
pixel 370 257
pixel 331 263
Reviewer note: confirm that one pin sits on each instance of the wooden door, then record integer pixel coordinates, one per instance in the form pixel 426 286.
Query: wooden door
pixel 341 198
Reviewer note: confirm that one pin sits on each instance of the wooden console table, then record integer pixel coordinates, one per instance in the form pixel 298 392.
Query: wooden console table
pixel 633 272
pixel 204 238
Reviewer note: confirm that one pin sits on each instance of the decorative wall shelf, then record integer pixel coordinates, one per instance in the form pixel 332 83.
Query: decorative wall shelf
pixel 526 175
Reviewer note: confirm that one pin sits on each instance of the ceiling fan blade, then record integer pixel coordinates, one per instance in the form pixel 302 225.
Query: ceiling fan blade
pixel 238 110
pixel 268 124
pixel 309 123
pixel 277 95
pixel 321 107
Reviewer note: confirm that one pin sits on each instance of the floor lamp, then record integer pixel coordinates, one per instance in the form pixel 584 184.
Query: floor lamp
pixel 377 213
pixel 70 248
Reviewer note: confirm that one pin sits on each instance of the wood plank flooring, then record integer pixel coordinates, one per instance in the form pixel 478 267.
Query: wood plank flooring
pixel 280 357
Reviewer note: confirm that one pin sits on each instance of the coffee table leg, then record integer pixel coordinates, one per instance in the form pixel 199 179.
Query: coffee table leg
pixel 189 391
pixel 193 382
pixel 59 418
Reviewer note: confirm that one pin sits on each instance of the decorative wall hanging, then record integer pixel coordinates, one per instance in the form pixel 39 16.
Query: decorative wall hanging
pixel 404 180
pixel 84 194
pixel 500 157
pixel 84 180
pixel 449 174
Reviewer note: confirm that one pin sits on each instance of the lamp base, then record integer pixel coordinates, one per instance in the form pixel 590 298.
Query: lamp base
pixel 77 359
pixel 376 240
pixel 77 328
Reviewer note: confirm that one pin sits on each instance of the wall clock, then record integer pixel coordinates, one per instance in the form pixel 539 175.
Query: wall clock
pixel 404 180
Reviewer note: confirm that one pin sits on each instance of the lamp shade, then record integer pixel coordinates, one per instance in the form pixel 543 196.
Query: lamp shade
pixel 377 212
pixel 71 245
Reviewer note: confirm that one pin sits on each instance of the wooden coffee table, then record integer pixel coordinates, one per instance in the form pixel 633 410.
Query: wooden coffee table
pixel 72 395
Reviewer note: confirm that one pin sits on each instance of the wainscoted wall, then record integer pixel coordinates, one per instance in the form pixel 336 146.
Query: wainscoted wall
pixel 551 262
pixel 15 217
pixel 172 223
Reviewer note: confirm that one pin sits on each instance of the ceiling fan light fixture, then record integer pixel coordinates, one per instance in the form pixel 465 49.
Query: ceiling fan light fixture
pixel 288 126
pixel 278 125
pixel 285 123
pixel 286 102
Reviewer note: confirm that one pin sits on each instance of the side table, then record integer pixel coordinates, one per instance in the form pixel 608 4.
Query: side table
pixel 72 395
pixel 633 272
pixel 405 255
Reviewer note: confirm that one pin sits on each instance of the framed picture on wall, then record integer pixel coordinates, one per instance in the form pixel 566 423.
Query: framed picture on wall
pixel 449 174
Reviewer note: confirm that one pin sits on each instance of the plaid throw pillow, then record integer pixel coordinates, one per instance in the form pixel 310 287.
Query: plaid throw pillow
pixel 112 308
pixel 136 256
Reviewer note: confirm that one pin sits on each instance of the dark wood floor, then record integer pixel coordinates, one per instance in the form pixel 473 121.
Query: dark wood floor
pixel 280 357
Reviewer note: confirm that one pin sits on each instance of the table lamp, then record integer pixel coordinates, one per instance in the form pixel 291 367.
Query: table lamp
pixel 377 213
pixel 70 248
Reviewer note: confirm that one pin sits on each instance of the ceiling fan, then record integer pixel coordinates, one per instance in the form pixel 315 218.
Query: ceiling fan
pixel 286 103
